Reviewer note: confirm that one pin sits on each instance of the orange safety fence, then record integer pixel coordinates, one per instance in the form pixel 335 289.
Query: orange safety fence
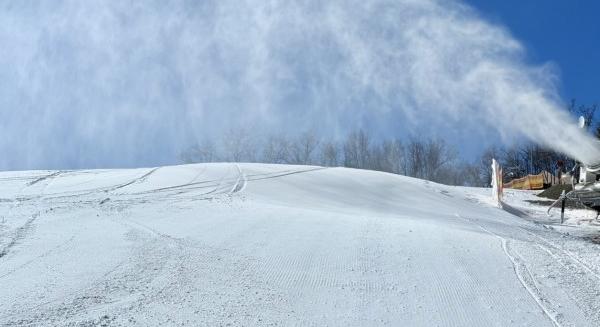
pixel 529 182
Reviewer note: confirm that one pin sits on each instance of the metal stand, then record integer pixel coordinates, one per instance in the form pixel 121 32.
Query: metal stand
pixel 562 199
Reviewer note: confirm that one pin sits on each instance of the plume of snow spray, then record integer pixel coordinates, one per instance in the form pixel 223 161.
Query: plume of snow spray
pixel 122 83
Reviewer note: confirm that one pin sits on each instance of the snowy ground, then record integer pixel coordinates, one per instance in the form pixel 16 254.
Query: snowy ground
pixel 249 244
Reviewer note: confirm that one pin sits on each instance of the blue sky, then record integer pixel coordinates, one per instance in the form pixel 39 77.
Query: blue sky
pixel 566 32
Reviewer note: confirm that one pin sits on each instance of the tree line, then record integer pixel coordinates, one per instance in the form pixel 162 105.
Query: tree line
pixel 431 159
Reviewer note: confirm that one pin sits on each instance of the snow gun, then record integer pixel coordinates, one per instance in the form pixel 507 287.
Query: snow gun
pixel 585 185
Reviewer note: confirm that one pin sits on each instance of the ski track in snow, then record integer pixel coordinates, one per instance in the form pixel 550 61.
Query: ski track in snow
pixel 250 244
pixel 565 278
pixel 21 231
pixel 523 274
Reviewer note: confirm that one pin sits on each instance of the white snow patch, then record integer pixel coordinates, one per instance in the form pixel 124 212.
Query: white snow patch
pixel 253 244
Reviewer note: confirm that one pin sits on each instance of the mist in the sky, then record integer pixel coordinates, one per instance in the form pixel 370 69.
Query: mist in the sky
pixel 124 83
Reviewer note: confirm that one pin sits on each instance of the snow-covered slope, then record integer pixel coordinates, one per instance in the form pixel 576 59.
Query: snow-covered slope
pixel 250 244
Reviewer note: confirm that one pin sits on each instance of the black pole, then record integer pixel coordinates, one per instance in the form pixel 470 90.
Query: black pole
pixel 562 210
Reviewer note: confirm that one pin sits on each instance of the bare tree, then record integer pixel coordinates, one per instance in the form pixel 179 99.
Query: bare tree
pixel 428 159
pixel 438 155
pixel 357 150
pixel 238 145
pixel 330 154
pixel 199 152
pixel 395 156
pixel 386 156
pixel 276 150
pixel 415 156
pixel 303 148
pixel 470 176
pixel 377 158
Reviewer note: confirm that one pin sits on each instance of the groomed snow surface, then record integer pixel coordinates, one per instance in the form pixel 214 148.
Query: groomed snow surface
pixel 264 245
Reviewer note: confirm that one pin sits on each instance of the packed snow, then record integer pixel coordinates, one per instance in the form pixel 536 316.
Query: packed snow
pixel 252 244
